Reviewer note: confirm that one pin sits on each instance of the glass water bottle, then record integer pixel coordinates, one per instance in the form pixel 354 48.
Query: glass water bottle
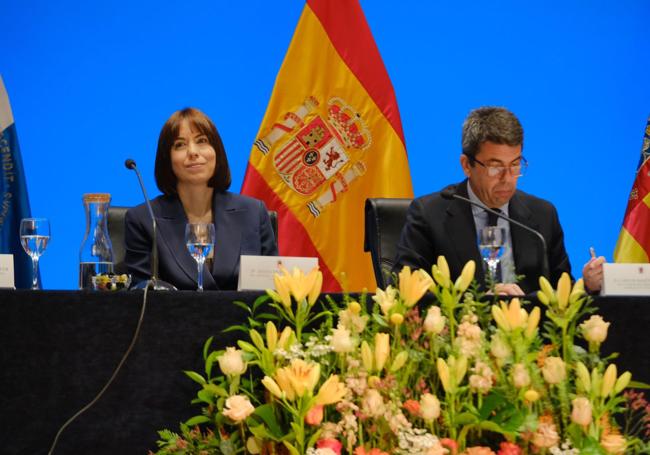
pixel 96 253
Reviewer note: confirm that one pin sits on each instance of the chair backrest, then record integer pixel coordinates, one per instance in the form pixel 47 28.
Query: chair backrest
pixel 384 221
pixel 115 225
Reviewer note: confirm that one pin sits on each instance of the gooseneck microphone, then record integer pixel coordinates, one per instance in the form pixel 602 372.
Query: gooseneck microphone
pixel 451 193
pixel 154 282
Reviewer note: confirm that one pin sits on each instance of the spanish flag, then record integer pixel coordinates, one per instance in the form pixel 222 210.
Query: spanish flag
pixel 634 240
pixel 331 137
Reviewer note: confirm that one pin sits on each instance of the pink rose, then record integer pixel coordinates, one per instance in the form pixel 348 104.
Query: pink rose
pixel 450 444
pixel 412 406
pixel 509 448
pixel 478 450
pixel 314 415
pixel 581 412
pixel 333 444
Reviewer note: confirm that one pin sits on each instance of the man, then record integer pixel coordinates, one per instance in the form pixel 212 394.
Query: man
pixel 492 161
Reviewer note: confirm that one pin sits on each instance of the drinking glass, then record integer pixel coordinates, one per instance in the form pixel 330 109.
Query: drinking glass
pixel 199 238
pixel 491 241
pixel 34 236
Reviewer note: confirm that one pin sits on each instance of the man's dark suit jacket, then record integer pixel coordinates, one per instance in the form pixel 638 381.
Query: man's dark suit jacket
pixel 436 226
pixel 242 226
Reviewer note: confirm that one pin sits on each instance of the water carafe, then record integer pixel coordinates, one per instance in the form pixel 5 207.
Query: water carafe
pixel 96 253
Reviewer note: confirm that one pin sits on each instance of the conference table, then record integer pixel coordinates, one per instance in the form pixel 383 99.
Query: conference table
pixel 58 348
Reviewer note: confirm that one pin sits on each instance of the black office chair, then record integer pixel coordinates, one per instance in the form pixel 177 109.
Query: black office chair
pixel 384 221
pixel 115 226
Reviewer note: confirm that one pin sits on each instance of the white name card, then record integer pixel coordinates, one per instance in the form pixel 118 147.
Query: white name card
pixel 626 279
pixel 256 272
pixel 7 271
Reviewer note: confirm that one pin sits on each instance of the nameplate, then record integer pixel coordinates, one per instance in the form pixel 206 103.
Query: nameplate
pixel 7 271
pixel 626 279
pixel 256 272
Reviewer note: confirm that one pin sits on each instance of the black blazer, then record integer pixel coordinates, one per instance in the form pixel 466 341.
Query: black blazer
pixel 436 226
pixel 242 226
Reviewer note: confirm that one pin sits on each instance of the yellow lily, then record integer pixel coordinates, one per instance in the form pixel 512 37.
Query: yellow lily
pixel 272 387
pixel 546 288
pixel 413 285
pixel 609 381
pixel 271 336
pixel 440 273
pixel 443 374
pixel 622 382
pixel 533 322
pixel 584 379
pixel 332 391
pixel 366 356
pixel 466 277
pixel 563 290
pixel 382 350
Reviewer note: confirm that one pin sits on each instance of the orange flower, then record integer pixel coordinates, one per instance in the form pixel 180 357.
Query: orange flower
pixel 412 406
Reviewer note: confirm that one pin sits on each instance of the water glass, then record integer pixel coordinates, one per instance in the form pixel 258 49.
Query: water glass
pixel 34 237
pixel 491 244
pixel 199 238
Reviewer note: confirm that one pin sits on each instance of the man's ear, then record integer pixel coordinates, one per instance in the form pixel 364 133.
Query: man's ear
pixel 465 164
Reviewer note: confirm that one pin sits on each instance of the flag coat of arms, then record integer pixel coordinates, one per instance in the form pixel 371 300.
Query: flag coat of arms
pixel 14 202
pixel 634 240
pixel 331 138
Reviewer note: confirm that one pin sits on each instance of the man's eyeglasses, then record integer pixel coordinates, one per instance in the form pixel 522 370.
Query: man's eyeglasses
pixel 516 170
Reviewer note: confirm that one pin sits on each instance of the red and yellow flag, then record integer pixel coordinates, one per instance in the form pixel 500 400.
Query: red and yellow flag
pixel 331 137
pixel 634 240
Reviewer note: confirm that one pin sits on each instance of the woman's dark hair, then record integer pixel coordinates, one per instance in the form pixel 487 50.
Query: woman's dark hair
pixel 165 177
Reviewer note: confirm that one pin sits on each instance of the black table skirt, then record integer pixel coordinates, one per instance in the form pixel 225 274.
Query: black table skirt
pixel 58 348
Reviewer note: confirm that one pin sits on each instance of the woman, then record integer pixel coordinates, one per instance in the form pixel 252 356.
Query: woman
pixel 192 173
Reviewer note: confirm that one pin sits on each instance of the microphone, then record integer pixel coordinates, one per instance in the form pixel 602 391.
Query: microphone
pixel 154 282
pixel 450 193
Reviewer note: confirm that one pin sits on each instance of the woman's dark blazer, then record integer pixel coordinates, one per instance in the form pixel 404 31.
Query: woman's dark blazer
pixel 242 226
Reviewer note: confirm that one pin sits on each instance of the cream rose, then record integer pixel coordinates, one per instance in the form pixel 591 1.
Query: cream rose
pixel 520 376
pixel 581 412
pixel 373 404
pixel 342 341
pixel 435 321
pixel 238 407
pixel 429 407
pixel 554 370
pixel 232 362
pixel 594 329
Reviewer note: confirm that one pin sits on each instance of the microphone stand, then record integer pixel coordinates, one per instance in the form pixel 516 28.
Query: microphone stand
pixel 153 283
pixel 450 193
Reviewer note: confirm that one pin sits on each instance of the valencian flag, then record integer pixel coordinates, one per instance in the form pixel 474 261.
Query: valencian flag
pixel 14 203
pixel 331 137
pixel 634 241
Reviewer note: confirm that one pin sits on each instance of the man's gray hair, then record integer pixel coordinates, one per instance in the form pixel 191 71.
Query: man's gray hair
pixel 494 124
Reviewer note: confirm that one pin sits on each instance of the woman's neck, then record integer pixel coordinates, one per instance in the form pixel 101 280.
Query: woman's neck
pixel 197 202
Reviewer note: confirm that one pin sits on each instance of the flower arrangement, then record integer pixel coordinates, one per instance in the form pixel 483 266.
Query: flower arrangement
pixel 465 374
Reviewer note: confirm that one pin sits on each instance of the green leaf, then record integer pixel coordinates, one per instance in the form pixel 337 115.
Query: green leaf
pixel 197 420
pixel 465 418
pixel 246 346
pixel 243 306
pixel 265 412
pixel 259 431
pixel 591 447
pixel 638 385
pixel 314 437
pixel 196 377
pixel 209 362
pixel 257 339
pixel 206 347
pixel 291 448
pixel 234 328
pixel 491 402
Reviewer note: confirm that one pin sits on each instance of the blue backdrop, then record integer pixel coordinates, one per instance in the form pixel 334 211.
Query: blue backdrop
pixel 91 83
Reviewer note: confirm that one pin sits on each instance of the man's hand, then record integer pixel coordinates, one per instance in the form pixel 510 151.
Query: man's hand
pixel 508 289
pixel 592 274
